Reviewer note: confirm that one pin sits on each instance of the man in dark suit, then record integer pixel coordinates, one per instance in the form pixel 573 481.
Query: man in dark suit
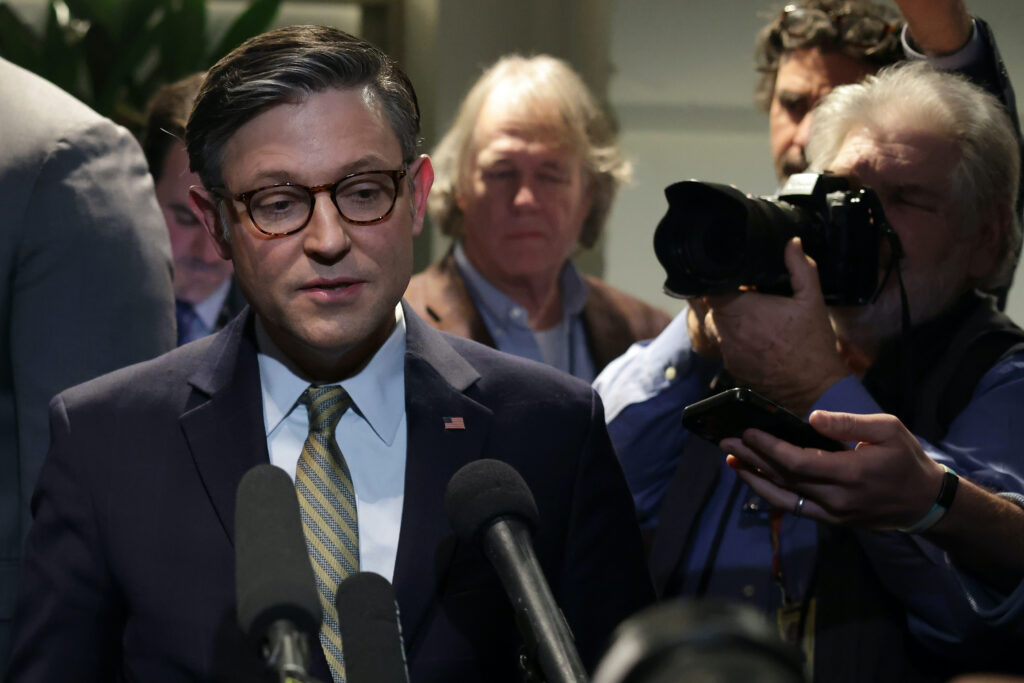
pixel 85 279
pixel 305 140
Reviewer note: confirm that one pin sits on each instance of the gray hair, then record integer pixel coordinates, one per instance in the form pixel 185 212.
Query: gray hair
pixel 984 179
pixel 286 66
pixel 542 84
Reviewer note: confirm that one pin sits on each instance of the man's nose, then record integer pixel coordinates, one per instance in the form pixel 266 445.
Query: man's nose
pixel 525 195
pixel 326 234
pixel 803 132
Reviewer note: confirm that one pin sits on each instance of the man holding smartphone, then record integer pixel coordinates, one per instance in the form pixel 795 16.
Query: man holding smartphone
pixel 942 156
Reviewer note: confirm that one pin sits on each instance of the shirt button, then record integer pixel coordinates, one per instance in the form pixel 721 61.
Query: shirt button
pixel 517 314
pixel 670 373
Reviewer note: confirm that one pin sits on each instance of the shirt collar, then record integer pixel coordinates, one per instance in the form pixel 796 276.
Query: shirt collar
pixel 209 308
pixel 501 307
pixel 377 391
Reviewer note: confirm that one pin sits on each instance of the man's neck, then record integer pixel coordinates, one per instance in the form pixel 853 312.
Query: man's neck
pixel 538 293
pixel 317 367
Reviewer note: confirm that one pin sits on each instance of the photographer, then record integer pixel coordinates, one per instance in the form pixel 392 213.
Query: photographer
pixel 942 157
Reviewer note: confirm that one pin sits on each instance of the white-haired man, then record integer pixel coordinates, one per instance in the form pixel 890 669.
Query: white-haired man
pixel 526 176
pixel 864 605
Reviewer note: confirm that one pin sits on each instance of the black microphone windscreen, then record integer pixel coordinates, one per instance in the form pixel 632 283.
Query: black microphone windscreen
pixel 273 575
pixel 483 490
pixel 371 636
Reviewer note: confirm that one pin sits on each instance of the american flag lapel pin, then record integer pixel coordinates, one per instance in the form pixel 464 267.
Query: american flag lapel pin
pixel 454 423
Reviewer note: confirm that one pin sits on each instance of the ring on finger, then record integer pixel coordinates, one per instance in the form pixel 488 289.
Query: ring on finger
pixel 798 509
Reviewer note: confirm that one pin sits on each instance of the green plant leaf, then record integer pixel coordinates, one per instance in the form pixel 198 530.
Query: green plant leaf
pixel 18 42
pixel 182 40
pixel 106 12
pixel 254 20
pixel 61 56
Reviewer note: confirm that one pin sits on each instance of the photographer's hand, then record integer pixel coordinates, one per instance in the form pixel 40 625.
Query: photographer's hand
pixel 782 347
pixel 696 324
pixel 937 27
pixel 888 482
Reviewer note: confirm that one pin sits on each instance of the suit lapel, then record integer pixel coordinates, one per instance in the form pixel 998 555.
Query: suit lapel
pixel 435 379
pixel 223 422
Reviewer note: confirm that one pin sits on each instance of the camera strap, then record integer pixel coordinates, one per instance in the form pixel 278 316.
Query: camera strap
pixel 906 344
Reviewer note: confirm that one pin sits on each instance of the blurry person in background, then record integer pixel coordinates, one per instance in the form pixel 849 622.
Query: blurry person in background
pixel 205 294
pixel 526 176
pixel 86 285
pixel 812 46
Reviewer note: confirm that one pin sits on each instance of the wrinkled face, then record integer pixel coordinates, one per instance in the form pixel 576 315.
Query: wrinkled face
pixel 524 199
pixel 326 294
pixel 198 268
pixel 910 169
pixel 804 77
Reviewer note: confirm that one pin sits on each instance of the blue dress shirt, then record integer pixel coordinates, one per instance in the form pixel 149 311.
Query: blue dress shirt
pixel 644 392
pixel 563 346
pixel 371 434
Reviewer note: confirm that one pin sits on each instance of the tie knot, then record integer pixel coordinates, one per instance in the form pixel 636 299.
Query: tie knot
pixel 325 405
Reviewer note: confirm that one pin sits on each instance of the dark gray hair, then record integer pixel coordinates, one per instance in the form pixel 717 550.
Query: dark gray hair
pixel 984 179
pixel 773 42
pixel 550 93
pixel 286 66
pixel 166 115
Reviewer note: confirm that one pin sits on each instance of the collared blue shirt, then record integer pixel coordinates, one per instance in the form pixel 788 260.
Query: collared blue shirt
pixel 564 346
pixel 644 392
pixel 372 436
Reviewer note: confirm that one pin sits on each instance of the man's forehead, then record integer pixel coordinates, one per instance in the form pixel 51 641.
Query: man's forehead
pixel 812 71
pixel 331 130
pixel 893 153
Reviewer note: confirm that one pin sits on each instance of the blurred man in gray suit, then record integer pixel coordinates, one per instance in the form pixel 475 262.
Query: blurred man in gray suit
pixel 85 278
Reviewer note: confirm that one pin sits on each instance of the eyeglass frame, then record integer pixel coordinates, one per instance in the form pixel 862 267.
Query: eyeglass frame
pixel 836 19
pixel 246 197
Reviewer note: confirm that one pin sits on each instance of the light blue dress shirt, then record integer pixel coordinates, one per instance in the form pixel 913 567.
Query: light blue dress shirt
pixel 564 346
pixel 372 435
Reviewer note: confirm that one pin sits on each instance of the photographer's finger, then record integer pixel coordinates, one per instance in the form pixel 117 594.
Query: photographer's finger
pixel 785 499
pixel 751 460
pixel 791 461
pixel 878 428
pixel 803 271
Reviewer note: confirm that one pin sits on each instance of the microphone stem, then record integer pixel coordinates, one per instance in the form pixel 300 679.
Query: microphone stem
pixel 534 605
pixel 287 652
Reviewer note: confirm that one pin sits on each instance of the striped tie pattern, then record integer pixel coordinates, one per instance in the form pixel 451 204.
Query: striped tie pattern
pixel 328 505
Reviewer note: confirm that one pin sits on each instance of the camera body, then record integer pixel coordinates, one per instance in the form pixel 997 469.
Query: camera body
pixel 715 239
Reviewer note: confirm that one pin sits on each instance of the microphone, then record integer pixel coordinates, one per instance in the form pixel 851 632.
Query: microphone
pixel 488 502
pixel 278 602
pixel 371 636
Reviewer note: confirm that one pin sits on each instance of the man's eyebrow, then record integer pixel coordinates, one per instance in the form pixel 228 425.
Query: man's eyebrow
pixel 791 96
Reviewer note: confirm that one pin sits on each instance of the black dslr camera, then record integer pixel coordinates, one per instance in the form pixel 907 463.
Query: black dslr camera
pixel 715 239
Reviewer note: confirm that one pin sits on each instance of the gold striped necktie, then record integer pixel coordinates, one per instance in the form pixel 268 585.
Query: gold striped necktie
pixel 328 505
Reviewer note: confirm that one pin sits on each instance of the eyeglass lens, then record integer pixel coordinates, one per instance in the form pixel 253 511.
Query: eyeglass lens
pixel 362 198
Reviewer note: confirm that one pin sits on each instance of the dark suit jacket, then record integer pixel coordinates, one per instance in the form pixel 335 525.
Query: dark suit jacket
pixel 85 278
pixel 129 571
pixel 613 320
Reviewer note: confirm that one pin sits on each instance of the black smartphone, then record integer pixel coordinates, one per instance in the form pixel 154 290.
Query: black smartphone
pixel 730 412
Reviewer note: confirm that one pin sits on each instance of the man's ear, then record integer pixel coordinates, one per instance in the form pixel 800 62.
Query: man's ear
pixel 204 206
pixel 988 241
pixel 422 172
